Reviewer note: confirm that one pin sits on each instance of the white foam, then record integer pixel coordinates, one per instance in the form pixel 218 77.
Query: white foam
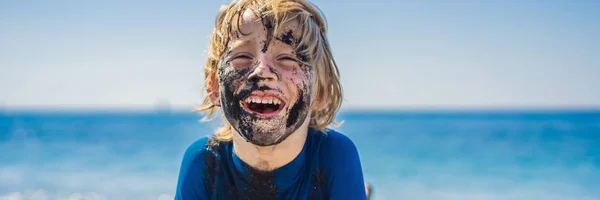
pixel 27 195
pixel 165 197
pixel 12 196
pixel 44 195
pixel 79 196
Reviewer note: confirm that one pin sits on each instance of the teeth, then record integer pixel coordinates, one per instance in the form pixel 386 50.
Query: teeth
pixel 263 101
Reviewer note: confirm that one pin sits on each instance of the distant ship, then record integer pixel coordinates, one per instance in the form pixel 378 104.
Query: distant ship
pixel 163 105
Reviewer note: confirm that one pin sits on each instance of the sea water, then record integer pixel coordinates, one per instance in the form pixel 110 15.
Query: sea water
pixel 415 155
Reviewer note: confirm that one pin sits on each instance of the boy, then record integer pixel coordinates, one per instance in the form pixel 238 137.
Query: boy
pixel 271 71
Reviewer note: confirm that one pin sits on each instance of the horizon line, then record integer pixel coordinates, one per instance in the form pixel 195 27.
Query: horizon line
pixel 188 108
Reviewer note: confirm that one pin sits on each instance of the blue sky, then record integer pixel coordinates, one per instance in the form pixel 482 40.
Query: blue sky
pixel 391 54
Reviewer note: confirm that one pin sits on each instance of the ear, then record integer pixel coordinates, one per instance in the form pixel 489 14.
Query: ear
pixel 212 88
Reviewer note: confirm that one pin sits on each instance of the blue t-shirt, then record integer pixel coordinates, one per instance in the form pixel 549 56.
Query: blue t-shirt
pixel 328 167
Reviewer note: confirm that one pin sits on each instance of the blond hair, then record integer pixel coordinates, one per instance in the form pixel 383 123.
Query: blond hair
pixel 313 43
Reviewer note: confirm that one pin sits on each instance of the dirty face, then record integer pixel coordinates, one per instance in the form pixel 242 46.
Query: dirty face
pixel 265 91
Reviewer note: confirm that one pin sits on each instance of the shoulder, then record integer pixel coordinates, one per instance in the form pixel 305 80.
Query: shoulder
pixel 201 150
pixel 335 143
pixel 197 149
pixel 334 148
pixel 340 162
pixel 198 160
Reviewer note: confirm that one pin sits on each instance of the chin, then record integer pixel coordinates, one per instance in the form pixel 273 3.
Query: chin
pixel 264 132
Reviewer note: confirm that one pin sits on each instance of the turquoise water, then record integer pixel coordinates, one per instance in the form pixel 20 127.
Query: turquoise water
pixel 405 155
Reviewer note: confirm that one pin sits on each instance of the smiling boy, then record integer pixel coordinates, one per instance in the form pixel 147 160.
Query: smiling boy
pixel 272 74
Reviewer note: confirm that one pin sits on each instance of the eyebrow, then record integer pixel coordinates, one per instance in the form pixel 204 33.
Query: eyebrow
pixel 239 43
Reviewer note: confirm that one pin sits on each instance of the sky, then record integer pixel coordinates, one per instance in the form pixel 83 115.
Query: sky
pixel 391 54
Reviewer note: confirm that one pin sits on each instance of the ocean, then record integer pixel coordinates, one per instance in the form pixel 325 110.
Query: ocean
pixel 414 155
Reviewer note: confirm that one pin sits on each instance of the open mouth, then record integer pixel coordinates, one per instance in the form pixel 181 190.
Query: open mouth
pixel 263 106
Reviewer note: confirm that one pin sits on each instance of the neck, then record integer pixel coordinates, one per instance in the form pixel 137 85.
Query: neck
pixel 269 158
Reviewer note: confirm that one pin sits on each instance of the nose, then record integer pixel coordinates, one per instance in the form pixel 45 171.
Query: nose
pixel 263 71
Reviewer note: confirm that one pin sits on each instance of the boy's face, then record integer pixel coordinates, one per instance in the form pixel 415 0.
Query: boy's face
pixel 264 90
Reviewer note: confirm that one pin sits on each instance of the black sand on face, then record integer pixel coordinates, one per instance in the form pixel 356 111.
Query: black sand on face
pixel 288 38
pixel 268 27
pixel 248 124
